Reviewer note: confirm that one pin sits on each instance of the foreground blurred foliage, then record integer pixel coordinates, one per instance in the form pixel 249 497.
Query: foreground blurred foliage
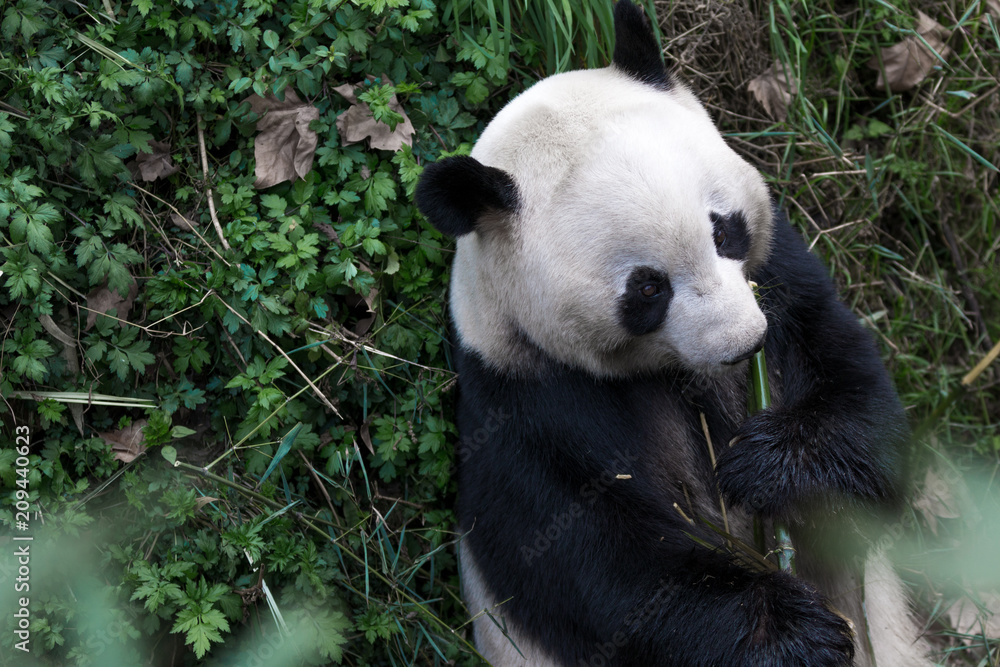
pixel 237 384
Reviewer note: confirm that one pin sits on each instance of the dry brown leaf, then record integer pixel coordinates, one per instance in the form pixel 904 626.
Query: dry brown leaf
pixel 356 302
pixel 68 343
pixel 906 64
pixel 357 123
pixel 328 231
pixel 184 222
pixel 101 300
pixel 201 501
pixel 151 166
pixel 366 437
pixel 774 89
pixel 285 146
pixel 127 443
pixel 993 7
pixel 967 618
pixel 936 500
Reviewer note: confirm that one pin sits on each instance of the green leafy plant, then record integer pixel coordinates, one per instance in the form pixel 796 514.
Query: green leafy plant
pixel 290 337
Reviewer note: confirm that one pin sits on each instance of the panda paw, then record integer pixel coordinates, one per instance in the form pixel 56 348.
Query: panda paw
pixel 782 459
pixel 770 464
pixel 791 624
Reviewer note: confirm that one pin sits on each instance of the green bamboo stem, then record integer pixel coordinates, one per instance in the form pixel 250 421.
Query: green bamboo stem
pixel 760 399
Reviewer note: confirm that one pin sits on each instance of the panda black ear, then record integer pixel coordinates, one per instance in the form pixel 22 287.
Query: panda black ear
pixel 636 51
pixel 454 192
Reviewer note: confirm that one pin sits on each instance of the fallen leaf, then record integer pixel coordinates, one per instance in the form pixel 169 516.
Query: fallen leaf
pixel 127 443
pixel 357 123
pixel 328 231
pixel 936 500
pixel 69 345
pixel 993 7
pixel 363 306
pixel 151 166
pixel 101 300
pixel 201 501
pixel 967 618
pixel 774 89
pixel 366 437
pixel 184 222
pixel 69 353
pixel 285 146
pixel 906 64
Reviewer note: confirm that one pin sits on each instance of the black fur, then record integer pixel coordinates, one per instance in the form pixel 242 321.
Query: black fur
pixel 736 237
pixel 454 193
pixel 641 314
pixel 834 436
pixel 601 569
pixel 636 51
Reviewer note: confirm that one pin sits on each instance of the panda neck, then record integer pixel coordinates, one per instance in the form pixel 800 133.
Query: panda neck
pixel 512 353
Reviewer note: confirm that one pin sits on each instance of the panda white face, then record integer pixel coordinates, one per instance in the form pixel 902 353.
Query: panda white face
pixel 630 241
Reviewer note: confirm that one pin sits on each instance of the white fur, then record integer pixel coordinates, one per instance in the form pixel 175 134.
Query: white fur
pixel 490 640
pixel 612 174
pixel 894 636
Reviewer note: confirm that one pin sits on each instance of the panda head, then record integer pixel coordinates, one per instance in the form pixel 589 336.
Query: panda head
pixel 602 221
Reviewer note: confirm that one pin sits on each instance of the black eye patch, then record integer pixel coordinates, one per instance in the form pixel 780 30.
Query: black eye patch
pixel 643 306
pixel 731 235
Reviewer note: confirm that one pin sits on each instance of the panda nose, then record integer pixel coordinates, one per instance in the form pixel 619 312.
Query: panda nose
pixel 743 357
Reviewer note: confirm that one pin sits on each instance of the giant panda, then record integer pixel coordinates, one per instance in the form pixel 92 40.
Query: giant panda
pixel 606 234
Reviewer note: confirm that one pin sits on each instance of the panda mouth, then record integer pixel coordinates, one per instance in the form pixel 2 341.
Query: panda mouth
pixel 746 355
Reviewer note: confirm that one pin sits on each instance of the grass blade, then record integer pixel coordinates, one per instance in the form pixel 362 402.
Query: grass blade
pixel 283 449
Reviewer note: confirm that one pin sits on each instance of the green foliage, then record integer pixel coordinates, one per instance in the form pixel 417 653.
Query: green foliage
pixel 297 376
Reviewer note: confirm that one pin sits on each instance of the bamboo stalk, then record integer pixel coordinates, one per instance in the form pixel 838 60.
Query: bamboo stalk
pixel 760 399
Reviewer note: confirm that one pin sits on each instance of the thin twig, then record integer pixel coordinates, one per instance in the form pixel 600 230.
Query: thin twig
pixel 399 500
pixel 978 369
pixel 685 516
pixel 208 188
pixel 322 488
pixel 319 394
pixel 440 140
pixel 711 455
pixel 194 230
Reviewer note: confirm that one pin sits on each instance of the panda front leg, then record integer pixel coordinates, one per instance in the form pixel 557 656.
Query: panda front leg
pixel 835 434
pixel 629 603
pixel 715 613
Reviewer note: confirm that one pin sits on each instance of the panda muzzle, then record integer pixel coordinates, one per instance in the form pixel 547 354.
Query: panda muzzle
pixel 746 355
